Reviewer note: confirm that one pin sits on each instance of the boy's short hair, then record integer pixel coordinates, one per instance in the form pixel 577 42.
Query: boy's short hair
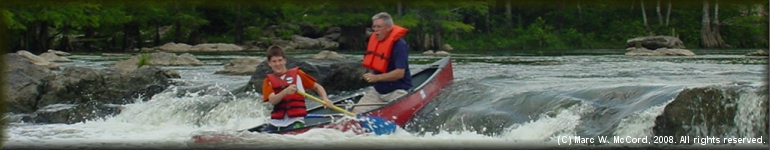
pixel 275 50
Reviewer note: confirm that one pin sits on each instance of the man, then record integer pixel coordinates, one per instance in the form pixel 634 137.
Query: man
pixel 280 87
pixel 388 56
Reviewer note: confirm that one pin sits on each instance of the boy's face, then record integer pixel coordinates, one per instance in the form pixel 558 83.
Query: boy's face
pixel 278 64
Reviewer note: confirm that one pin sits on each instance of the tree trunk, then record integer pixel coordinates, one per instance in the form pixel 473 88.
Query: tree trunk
pixel 177 31
pixel 660 17
pixel 195 37
pixel 644 17
pixel 177 26
pixel 400 11
pixel 707 40
pixel 89 35
pixel 126 37
pixel 580 17
pixel 437 37
pixel 131 36
pixel 42 39
pixel 508 14
pixel 715 27
pixel 29 37
pixel 668 13
pixel 580 11
pixel 64 44
pixel 157 33
pixel 239 26
pixel 486 21
pixel 521 21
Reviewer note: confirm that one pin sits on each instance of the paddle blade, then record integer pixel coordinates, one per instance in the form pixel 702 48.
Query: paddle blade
pixel 377 125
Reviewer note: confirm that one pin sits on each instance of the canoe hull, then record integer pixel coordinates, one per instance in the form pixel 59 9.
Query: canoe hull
pixel 427 82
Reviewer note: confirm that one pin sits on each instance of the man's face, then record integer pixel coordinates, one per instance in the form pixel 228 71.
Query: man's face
pixel 278 64
pixel 380 29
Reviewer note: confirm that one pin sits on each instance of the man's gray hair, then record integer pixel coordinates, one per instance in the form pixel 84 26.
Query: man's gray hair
pixel 385 17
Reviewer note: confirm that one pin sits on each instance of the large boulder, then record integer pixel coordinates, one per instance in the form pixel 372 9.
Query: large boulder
pixel 314 44
pixel 715 112
pixel 241 66
pixel 758 53
pixel 37 60
pixel 92 94
pixel 327 54
pixel 655 42
pixel 345 76
pixel 205 47
pixel 59 53
pixel 158 59
pixel 23 81
pixel 76 94
pixel 52 57
pixel 659 52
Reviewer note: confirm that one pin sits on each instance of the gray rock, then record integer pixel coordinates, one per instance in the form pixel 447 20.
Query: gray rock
pixel 25 78
pixel 758 53
pixel 656 42
pixel 690 114
pixel 77 93
pixel 241 66
pixel 660 52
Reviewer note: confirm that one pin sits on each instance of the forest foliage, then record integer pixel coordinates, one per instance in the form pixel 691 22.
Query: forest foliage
pixel 122 26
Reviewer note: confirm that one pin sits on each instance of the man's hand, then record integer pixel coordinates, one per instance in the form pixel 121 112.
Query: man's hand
pixel 371 78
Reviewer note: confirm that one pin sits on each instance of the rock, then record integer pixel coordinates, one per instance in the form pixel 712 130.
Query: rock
pixel 241 66
pixel 758 53
pixel 205 47
pixel 72 113
pixel 38 60
pixel 327 54
pixel 212 47
pixel 54 58
pixel 442 53
pixel 287 45
pixel 655 42
pixel 114 55
pixel 660 52
pixel 174 47
pixel 446 47
pixel 77 93
pixel 428 52
pixel 713 112
pixel 59 53
pixel 90 90
pixel 314 44
pixel 25 78
pixel 345 76
pixel 158 59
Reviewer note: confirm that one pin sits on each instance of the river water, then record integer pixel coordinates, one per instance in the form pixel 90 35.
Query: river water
pixel 494 102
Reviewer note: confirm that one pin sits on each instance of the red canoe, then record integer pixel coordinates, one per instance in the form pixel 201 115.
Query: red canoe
pixel 426 82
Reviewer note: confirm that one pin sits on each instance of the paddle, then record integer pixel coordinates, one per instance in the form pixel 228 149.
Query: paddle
pixel 374 124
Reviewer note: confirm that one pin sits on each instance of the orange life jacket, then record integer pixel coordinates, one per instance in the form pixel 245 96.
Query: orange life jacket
pixel 378 52
pixel 292 105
